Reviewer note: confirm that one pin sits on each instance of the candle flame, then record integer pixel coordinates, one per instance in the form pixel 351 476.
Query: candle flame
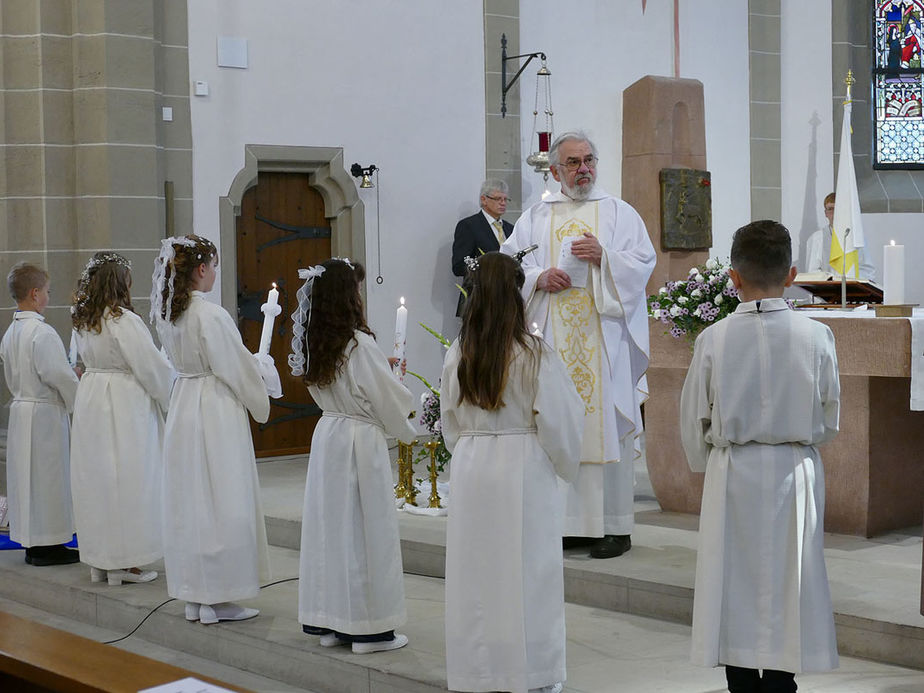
pixel 402 300
pixel 274 285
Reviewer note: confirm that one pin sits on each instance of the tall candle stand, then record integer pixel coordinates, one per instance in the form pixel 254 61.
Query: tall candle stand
pixel 410 490
pixel 400 488
pixel 431 446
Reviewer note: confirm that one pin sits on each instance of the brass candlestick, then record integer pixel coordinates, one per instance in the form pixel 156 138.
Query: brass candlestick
pixel 431 446
pixel 400 488
pixel 410 490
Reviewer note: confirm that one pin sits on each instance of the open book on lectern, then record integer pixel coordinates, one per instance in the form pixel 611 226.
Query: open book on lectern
pixel 827 287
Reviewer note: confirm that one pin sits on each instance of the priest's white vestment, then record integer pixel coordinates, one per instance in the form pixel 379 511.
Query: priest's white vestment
pixel 117 444
pixel 505 611
pixel 600 499
pixel 762 391
pixel 214 532
pixel 350 572
pixel 43 386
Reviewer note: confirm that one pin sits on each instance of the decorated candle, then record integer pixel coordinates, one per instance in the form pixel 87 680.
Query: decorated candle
pixel 270 310
pixel 893 274
pixel 400 339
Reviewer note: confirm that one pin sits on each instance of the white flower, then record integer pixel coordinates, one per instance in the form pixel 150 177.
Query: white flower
pixel 696 293
pixel 656 314
pixel 711 264
pixel 662 290
pixel 718 299
pixel 682 299
pixel 700 278
pixel 680 284
pixel 675 311
pixel 729 284
pixel 423 398
pixel 697 311
pixel 693 270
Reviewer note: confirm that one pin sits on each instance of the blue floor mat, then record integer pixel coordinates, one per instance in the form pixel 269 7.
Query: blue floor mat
pixel 7 544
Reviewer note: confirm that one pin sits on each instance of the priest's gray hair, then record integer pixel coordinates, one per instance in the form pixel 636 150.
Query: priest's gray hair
pixel 494 185
pixel 572 136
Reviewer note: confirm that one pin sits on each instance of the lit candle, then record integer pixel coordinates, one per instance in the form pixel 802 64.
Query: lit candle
pixel 400 339
pixel 270 310
pixel 536 331
pixel 893 274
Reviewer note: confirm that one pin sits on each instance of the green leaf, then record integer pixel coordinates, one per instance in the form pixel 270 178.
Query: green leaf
pixel 425 382
pixel 445 342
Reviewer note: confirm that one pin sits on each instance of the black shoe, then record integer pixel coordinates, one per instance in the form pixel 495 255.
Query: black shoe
pixel 611 546
pixel 578 542
pixel 51 555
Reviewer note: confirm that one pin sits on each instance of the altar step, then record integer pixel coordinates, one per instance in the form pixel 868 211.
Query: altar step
pixel 875 583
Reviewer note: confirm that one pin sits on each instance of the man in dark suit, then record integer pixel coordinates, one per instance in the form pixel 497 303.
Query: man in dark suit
pixel 482 232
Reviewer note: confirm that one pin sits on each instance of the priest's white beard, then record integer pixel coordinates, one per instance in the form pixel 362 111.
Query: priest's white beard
pixel 578 193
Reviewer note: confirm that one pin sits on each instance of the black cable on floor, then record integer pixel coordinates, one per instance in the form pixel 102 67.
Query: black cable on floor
pixel 172 599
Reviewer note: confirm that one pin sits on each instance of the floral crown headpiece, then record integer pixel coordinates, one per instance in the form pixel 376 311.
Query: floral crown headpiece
pixel 159 278
pixel 472 263
pixel 93 264
pixel 301 318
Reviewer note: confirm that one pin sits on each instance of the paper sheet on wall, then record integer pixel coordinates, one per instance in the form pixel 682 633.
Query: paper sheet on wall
pixel 575 267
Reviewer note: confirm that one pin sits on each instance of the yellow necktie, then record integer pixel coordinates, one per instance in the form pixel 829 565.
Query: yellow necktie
pixel 499 230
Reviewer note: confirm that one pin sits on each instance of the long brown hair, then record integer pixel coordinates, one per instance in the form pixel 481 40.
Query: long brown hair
pixel 493 323
pixel 184 263
pixel 105 283
pixel 336 311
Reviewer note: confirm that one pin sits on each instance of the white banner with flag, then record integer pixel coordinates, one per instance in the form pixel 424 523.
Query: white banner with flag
pixel 847 228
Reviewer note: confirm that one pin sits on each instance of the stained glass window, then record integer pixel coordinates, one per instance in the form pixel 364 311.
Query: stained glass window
pixel 898 83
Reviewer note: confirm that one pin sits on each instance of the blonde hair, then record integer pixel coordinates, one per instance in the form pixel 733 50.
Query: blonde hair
pixel 23 277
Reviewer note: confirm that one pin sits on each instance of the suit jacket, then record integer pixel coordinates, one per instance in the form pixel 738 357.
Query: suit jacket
pixel 473 236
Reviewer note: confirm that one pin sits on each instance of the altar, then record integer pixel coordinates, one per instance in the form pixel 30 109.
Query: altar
pixel 874 468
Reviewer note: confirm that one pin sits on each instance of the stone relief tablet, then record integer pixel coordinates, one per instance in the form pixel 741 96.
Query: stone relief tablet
pixel 686 209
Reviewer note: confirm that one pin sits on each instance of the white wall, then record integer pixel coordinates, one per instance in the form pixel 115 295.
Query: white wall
pixel 807 129
pixel 609 46
pixel 397 83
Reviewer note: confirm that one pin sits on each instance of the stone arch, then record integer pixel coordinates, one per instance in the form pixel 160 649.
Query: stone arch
pixel 326 174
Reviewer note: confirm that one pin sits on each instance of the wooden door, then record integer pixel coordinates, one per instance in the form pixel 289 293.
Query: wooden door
pixel 281 228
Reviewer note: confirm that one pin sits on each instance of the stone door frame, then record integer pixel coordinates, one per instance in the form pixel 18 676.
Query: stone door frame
pixel 326 174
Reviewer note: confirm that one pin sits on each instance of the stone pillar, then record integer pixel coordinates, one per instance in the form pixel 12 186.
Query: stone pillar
pixel 663 126
pixel 87 149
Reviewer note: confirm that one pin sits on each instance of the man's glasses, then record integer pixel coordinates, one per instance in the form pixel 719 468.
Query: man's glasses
pixel 498 199
pixel 573 163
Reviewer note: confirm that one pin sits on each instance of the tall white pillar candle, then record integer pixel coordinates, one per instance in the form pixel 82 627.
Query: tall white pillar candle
pixel 400 339
pixel 270 310
pixel 893 274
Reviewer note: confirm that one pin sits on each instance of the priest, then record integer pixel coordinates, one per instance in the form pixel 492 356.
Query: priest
pixel 585 289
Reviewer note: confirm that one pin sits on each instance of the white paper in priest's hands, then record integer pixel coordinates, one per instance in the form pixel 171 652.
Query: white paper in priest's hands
pixel 574 266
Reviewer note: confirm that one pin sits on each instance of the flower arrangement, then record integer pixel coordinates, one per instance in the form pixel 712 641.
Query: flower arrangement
pixel 689 305
pixel 430 417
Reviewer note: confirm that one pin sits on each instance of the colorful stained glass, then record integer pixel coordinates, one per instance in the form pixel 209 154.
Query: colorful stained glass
pixel 898 83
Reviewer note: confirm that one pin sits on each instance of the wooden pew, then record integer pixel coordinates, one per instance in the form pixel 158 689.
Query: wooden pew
pixel 35 658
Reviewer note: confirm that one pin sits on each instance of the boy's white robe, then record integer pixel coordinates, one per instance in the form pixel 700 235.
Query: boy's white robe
pixel 505 616
pixel 350 572
pixel 618 290
pixel 214 533
pixel 117 444
pixel 43 386
pixel 762 391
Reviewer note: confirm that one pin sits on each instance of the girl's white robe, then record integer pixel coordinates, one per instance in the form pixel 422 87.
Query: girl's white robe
pixel 350 572
pixel 38 439
pixel 117 444
pixel 762 391
pixel 214 532
pixel 505 612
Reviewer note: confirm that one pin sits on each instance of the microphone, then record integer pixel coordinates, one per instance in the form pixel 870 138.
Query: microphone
pixel 520 254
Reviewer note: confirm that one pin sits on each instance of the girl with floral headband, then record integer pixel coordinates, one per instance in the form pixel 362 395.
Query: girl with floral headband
pixel 351 586
pixel 513 421
pixel 117 434
pixel 214 534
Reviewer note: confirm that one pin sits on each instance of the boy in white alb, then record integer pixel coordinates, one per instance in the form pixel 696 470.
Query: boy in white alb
pixel 761 393
pixel 38 440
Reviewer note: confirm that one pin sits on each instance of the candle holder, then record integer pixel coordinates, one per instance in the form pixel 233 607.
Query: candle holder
pixel 400 488
pixel 410 490
pixel 431 446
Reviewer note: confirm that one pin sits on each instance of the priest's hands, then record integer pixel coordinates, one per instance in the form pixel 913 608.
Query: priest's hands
pixel 587 248
pixel 553 280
